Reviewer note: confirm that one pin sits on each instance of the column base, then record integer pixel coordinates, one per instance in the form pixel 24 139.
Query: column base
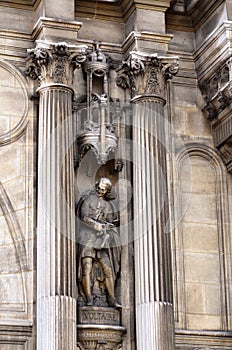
pixel 159 330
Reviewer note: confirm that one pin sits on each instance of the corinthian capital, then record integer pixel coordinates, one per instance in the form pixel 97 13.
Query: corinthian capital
pixel 146 73
pixel 54 62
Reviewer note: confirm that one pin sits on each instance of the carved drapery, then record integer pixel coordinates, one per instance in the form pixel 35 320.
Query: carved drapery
pixel 146 76
pixel 52 65
pixel 217 92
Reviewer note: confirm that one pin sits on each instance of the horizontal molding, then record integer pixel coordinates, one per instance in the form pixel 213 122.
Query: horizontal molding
pixel 45 22
pixel 202 11
pixel 129 43
pixel 134 39
pixel 30 5
pixel 203 333
pixel 215 49
pixel 201 338
pixel 193 15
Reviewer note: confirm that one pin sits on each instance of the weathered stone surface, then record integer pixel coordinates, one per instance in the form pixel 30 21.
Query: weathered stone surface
pixel 201 242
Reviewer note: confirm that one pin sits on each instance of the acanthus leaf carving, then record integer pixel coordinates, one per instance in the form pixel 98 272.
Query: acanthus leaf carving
pixel 146 74
pixel 54 62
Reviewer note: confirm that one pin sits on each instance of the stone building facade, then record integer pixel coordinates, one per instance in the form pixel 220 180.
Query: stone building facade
pixel 139 92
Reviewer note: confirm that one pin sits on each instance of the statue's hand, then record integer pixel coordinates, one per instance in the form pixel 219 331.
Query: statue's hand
pixel 98 226
pixel 109 225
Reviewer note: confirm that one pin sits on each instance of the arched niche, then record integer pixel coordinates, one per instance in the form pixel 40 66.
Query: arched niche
pixel 201 241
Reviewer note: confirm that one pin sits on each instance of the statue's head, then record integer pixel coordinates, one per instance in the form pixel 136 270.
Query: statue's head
pixel 103 187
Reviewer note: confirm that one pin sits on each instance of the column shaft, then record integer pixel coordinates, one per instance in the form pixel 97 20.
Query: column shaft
pixel 56 304
pixel 154 310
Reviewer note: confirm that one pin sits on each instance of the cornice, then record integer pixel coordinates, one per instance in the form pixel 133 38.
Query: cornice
pixel 203 11
pixel 215 49
pixel 193 16
pixel 51 23
pixel 160 5
pixel 134 38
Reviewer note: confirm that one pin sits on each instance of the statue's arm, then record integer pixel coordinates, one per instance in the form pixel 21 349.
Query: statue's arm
pixel 88 219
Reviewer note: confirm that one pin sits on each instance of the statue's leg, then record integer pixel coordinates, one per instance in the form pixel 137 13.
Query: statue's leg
pixel 107 270
pixel 87 263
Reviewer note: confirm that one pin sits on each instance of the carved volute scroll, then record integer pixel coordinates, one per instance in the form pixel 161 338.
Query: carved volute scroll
pixel 51 63
pixel 146 74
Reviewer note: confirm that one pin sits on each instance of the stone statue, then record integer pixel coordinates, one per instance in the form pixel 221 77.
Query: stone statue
pixel 99 245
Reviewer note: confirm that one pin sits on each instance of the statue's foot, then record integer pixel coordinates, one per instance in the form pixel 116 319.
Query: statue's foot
pixel 89 301
pixel 113 303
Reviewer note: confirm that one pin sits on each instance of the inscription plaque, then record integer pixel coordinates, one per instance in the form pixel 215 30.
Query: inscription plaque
pixel 98 315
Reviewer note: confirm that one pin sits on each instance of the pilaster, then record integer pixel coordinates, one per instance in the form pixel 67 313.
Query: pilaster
pixel 146 76
pixel 52 66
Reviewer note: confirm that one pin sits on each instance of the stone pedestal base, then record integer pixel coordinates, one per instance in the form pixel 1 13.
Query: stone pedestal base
pixel 99 328
pixel 99 337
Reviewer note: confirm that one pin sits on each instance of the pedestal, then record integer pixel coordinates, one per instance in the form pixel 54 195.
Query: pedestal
pixel 99 328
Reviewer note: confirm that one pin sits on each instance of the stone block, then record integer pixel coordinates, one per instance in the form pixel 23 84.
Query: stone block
pixel 195 298
pixel 63 9
pixel 7 79
pixel 182 41
pixel 145 19
pixel 12 102
pixel 197 124
pixel 9 259
pixel 12 346
pixel 5 124
pixel 205 322
pixel 201 267
pixel 179 120
pixel 213 299
pixel 198 178
pixel 24 22
pixel 199 208
pixel 93 28
pixel 184 95
pixel 12 297
pixel 5 237
pixel 18 190
pixel 200 238
pixel 11 157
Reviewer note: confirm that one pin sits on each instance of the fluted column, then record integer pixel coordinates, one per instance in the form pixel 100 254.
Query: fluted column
pixel 52 65
pixel 146 75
